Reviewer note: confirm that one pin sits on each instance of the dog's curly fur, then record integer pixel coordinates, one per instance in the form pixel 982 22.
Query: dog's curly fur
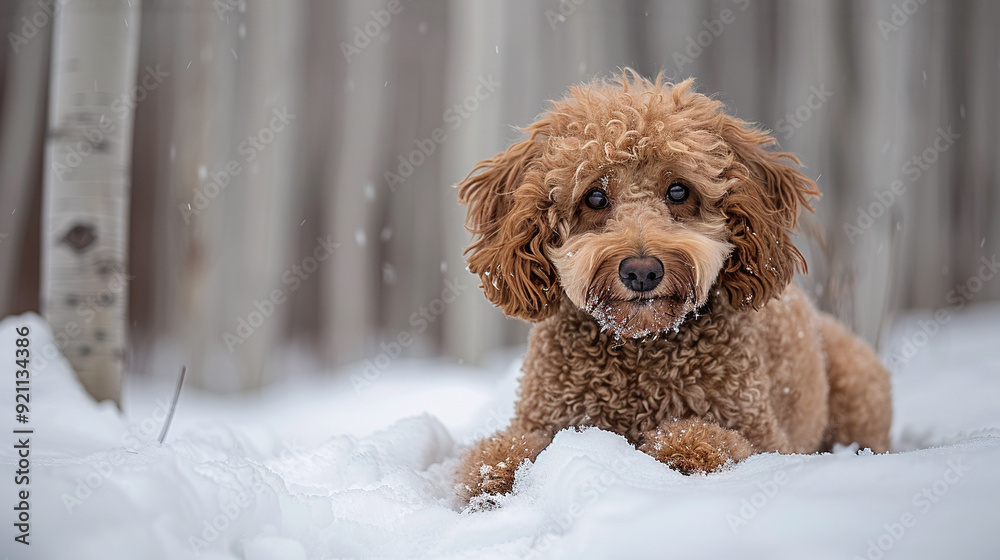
pixel 723 357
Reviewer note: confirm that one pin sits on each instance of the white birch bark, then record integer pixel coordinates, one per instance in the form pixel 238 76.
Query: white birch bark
pixel 85 211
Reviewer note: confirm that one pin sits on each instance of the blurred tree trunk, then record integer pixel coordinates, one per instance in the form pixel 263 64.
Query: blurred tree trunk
pixel 199 136
pixel 351 285
pixel 24 121
pixel 87 184
pixel 234 186
pixel 258 207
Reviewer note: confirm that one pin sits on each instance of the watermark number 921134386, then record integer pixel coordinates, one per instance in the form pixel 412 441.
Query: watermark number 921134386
pixel 22 436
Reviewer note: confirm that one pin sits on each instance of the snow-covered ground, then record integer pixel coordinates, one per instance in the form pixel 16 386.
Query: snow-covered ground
pixel 313 468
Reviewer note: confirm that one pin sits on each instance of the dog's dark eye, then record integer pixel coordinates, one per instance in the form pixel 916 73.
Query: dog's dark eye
pixel 596 199
pixel 677 193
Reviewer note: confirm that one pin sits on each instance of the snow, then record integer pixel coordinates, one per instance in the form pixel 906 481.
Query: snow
pixel 315 468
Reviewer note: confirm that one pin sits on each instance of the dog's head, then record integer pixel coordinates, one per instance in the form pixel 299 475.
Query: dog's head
pixel 636 200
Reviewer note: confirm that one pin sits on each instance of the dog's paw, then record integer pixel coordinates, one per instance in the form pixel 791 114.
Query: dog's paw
pixel 696 446
pixel 488 468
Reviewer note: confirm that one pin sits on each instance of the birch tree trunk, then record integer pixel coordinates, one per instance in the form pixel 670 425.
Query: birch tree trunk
pixel 87 182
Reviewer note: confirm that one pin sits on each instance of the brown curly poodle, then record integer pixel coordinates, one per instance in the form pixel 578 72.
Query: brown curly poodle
pixel 646 233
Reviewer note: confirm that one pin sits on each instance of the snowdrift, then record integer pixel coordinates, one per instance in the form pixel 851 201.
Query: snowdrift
pixel 316 468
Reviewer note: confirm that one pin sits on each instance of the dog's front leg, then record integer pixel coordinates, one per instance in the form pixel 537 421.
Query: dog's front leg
pixel 695 445
pixel 488 466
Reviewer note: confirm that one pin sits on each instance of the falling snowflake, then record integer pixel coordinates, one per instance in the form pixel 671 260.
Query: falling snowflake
pixel 388 274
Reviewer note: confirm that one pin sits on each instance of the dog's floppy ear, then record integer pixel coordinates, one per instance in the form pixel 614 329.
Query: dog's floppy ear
pixel 761 209
pixel 508 215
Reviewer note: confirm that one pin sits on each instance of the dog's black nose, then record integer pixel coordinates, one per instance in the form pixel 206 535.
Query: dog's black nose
pixel 641 274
